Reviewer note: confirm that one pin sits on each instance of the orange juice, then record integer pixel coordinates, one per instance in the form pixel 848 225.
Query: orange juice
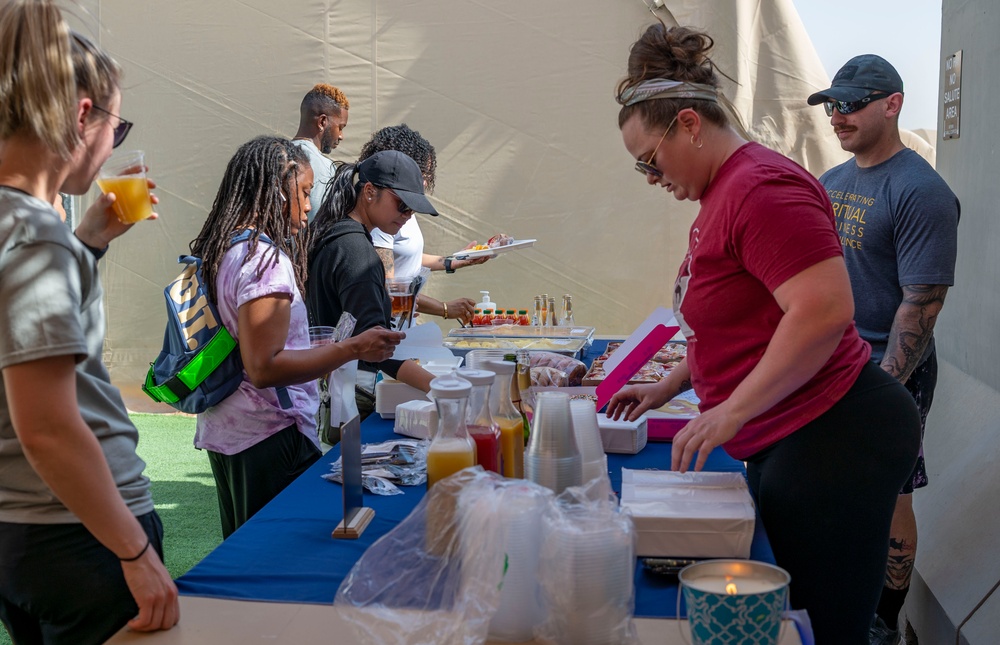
pixel 132 203
pixel 402 304
pixel 447 456
pixel 512 446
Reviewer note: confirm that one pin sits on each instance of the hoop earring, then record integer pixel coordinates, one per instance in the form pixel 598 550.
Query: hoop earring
pixel 700 143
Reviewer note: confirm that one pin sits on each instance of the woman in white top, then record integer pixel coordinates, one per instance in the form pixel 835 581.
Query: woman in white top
pixel 403 254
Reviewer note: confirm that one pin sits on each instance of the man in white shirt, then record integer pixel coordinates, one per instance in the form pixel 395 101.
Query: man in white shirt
pixel 322 119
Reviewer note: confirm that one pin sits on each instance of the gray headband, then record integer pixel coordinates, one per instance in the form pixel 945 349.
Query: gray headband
pixel 665 88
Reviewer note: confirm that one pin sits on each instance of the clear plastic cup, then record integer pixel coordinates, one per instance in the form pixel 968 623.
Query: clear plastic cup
pixel 124 174
pixel 321 335
pixel 552 426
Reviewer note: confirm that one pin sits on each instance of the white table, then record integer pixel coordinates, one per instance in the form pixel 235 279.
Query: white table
pixel 211 621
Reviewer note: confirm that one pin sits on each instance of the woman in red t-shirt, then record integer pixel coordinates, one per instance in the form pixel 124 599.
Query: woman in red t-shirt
pixel 764 300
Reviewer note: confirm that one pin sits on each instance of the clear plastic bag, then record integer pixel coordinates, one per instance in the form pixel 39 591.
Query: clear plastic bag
pixel 437 577
pixel 486 557
pixel 587 569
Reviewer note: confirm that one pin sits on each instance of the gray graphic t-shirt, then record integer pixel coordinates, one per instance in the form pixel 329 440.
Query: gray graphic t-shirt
pixel 898 224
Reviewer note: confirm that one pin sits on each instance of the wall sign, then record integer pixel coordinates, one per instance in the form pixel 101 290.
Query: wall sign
pixel 952 95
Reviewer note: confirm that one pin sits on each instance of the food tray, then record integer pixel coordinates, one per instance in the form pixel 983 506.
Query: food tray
pixel 569 346
pixel 523 331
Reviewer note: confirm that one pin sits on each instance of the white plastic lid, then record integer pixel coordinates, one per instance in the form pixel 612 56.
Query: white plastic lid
pixel 450 386
pixel 500 367
pixel 476 377
pixel 486 300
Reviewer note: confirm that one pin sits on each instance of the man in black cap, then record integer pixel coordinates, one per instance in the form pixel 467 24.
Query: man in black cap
pixel 897 220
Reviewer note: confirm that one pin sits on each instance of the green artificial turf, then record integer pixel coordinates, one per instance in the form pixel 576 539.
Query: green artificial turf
pixel 183 491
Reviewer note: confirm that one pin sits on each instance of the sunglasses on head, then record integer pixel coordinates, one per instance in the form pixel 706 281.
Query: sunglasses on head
pixel 121 130
pixel 848 107
pixel 647 167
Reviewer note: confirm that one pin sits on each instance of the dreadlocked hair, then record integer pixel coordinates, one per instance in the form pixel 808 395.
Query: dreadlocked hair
pixel 408 141
pixel 260 181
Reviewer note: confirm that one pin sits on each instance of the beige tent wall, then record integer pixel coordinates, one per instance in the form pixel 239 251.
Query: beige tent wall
pixel 516 96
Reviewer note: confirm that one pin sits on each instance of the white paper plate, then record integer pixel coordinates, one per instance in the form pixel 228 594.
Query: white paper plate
pixel 488 253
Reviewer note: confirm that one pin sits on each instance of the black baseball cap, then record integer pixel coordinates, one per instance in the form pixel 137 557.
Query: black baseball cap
pixel 858 78
pixel 393 169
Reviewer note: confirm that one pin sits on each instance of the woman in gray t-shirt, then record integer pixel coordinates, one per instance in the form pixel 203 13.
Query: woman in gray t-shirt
pixel 80 543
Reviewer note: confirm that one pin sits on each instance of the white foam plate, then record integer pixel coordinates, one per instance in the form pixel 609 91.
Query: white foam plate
pixel 488 253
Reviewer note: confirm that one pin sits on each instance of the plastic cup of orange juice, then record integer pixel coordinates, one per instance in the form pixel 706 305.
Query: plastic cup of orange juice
pixel 124 174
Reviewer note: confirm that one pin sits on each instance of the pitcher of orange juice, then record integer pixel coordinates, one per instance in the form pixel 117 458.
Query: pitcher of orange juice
pixel 452 449
pixel 507 417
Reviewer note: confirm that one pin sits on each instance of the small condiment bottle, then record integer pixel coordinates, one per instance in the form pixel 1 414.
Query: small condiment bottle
pixel 552 312
pixel 483 430
pixel 536 318
pixel 522 317
pixel 511 316
pixel 452 449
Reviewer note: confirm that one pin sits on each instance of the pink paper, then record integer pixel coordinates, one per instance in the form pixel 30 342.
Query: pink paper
pixel 633 361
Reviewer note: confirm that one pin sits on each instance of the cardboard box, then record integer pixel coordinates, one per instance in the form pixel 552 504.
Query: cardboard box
pixel 689 515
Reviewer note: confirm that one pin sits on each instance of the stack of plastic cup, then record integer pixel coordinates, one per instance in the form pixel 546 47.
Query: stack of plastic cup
pixel 553 458
pixel 476 359
pixel 588 440
pixel 520 608
pixel 587 581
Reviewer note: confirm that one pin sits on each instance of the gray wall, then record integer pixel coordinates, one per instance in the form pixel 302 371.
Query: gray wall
pixel 954 596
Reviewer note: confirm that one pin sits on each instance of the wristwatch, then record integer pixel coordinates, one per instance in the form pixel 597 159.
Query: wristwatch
pixel 447 265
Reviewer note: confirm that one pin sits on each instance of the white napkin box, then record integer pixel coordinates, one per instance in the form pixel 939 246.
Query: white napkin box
pixel 689 515
pixel 622 437
pixel 417 419
pixel 389 393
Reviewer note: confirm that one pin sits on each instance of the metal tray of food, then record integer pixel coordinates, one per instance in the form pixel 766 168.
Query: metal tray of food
pixel 523 331
pixel 569 346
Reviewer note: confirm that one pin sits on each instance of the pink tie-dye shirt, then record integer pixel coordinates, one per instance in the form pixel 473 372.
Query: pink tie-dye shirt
pixel 251 415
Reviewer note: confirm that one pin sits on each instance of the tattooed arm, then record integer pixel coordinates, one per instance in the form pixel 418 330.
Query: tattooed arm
pixel 912 328
pixel 390 265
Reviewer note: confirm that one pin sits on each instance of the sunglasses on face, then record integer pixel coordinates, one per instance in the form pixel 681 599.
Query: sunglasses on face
pixel 848 107
pixel 400 204
pixel 647 167
pixel 121 130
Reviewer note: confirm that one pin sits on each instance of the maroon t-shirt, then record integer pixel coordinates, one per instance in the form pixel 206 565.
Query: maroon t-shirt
pixel 763 220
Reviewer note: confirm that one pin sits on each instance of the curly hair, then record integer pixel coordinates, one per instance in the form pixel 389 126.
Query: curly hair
pixel 676 53
pixel 408 141
pixel 253 196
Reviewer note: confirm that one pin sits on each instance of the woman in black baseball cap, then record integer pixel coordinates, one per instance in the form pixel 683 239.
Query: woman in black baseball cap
pixel 345 272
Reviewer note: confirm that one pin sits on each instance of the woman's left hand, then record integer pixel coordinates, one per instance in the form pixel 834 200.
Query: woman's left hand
pixel 100 224
pixel 701 435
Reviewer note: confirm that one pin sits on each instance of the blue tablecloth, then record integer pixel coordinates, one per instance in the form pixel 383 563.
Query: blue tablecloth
pixel 285 553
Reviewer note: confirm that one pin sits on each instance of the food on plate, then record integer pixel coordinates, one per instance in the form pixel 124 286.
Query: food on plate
pixel 670 354
pixel 547 344
pixel 498 240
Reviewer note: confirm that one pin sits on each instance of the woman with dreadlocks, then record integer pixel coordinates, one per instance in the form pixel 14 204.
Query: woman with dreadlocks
pixel 257 440
pixel 345 273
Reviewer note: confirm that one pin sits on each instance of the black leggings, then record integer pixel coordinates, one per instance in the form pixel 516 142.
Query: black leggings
pixel 826 495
